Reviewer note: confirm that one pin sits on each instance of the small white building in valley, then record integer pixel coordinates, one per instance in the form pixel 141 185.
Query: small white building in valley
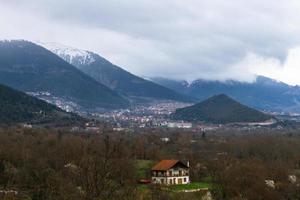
pixel 183 125
pixel 170 172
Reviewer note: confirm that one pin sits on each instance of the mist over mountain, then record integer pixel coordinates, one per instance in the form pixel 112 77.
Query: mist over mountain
pixel 264 93
pixel 93 82
pixel 220 109
pixel 31 68
pixel 136 89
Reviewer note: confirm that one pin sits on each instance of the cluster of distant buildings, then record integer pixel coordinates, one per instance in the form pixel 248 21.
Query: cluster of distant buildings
pixel 172 124
pixel 64 104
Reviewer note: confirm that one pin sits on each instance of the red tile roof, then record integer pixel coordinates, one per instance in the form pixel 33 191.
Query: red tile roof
pixel 165 165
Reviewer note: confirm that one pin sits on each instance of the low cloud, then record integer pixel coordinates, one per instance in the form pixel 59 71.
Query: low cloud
pixel 287 71
pixel 210 39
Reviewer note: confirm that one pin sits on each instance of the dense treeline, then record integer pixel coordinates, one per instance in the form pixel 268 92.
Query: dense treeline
pixel 53 164
pixel 56 166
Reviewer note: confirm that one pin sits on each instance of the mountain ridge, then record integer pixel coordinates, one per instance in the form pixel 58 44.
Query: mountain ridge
pixel 32 68
pixel 115 77
pixel 264 93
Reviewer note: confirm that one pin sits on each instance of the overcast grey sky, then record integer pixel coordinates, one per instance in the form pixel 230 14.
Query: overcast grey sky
pixel 182 39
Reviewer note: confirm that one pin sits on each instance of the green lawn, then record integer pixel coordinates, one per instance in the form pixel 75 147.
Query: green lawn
pixel 143 188
pixel 145 193
pixel 191 186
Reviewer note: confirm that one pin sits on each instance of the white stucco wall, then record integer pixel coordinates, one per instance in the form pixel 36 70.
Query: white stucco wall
pixel 172 176
pixel 171 180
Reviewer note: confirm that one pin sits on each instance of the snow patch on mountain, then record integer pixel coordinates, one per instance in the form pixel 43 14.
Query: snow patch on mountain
pixel 70 54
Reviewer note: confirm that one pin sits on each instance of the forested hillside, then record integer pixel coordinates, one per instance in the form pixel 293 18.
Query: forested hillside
pixel 220 109
pixel 17 106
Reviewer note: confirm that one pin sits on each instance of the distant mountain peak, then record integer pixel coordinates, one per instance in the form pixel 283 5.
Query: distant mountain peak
pixel 263 93
pixel 32 68
pixel 220 109
pixel 70 54
pixel 135 88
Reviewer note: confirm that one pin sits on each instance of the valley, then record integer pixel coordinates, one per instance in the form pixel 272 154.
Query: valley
pixel 149 100
pixel 75 126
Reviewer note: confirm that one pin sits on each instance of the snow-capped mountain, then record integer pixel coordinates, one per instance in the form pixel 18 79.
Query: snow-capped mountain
pixel 70 54
pixel 31 68
pixel 264 93
pixel 135 88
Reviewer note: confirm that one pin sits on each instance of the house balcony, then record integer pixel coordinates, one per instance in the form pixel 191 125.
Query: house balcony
pixel 170 175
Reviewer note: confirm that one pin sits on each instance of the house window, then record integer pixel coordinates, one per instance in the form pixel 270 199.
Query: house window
pixel 184 180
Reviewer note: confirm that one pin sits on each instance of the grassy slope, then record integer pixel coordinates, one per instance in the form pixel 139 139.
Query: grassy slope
pixel 191 186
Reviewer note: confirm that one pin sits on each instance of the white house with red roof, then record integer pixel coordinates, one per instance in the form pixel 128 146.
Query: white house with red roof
pixel 170 172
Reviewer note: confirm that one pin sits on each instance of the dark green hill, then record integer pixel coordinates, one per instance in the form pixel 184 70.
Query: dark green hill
pixel 32 68
pixel 220 109
pixel 17 107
